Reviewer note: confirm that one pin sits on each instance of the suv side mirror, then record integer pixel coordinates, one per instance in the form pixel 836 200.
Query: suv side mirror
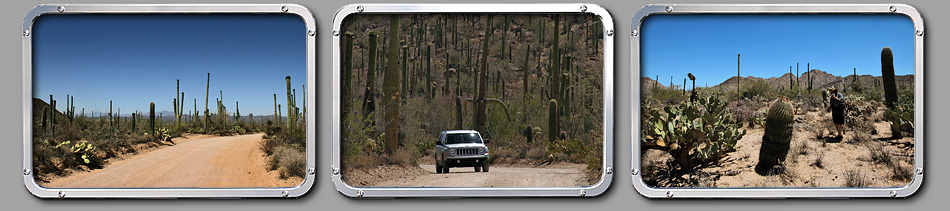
pixel 487 140
pixel 438 143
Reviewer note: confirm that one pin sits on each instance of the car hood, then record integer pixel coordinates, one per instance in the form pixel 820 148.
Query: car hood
pixel 464 145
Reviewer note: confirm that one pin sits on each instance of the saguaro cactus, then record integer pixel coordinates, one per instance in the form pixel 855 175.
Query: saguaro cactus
pixel 524 68
pixel 347 78
pixel 151 118
pixel 290 105
pixel 480 105
pixel 778 136
pixel 553 124
pixel 431 89
pixel 207 86
pixel 276 111
pixel 887 74
pixel 369 92
pixel 391 92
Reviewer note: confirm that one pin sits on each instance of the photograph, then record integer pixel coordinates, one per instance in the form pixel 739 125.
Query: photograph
pixel 472 100
pixel 111 108
pixel 777 101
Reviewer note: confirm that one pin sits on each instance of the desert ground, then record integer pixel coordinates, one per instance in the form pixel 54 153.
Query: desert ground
pixel 553 175
pixel 204 161
pixel 815 159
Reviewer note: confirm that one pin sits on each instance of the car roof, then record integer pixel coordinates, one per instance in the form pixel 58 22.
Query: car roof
pixel 459 131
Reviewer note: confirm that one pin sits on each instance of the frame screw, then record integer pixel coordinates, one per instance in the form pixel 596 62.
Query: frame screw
pixel 893 8
pixel 61 194
pixel 336 171
pixel 359 193
pixel 284 8
pixel 311 32
pixel 583 193
pixel 634 32
pixel 669 9
pixel 669 194
pixel 311 171
pixel 26 32
pixel 335 32
pixel 636 172
pixel 893 193
pixel 583 8
pixel 359 8
pixel 61 9
pixel 610 170
pixel 26 171
pixel 920 32
pixel 610 32
pixel 920 171
pixel 285 193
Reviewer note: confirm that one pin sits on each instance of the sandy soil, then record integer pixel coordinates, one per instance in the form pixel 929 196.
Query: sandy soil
pixel 554 175
pixel 194 161
pixel 811 161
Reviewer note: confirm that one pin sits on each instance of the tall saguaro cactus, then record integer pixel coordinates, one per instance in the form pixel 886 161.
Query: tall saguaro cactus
pixel 290 105
pixel 887 74
pixel 391 83
pixel 151 118
pixel 369 91
pixel 347 77
pixel 524 68
pixel 207 114
pixel 480 105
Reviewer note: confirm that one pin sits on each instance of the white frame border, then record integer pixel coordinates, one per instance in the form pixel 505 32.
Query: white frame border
pixel 43 192
pixel 586 191
pixel 902 9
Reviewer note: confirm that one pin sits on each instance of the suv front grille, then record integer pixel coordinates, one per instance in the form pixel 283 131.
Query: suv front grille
pixel 467 151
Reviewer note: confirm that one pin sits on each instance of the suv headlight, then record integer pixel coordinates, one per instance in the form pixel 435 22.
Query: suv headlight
pixel 452 151
pixel 481 150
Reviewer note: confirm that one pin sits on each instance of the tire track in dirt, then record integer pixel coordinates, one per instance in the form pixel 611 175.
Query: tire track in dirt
pixel 200 161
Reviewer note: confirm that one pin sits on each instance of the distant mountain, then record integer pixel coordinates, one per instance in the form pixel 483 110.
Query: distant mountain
pixel 819 80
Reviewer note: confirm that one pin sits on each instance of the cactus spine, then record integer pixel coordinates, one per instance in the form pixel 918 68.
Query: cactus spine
pixel 553 126
pixel 391 92
pixel 887 74
pixel 778 135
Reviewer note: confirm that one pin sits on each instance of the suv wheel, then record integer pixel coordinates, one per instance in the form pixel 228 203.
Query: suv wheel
pixel 478 168
pixel 438 169
pixel 445 169
pixel 485 167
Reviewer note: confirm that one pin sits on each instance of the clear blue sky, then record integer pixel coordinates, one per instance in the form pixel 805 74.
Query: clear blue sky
pixel 706 45
pixel 135 59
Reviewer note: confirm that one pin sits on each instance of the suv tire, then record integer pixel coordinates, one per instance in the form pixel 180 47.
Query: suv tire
pixel 485 167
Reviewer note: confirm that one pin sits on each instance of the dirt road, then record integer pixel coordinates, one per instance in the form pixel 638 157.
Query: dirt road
pixel 197 161
pixel 556 175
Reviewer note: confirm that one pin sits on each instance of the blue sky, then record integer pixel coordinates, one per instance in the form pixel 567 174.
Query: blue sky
pixel 706 45
pixel 135 59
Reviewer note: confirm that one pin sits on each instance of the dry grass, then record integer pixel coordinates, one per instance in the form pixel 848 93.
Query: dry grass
pixel 878 153
pixel 856 179
pixel 819 159
pixel 900 170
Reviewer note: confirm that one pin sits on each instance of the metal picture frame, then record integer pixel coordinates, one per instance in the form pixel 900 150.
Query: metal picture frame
pixel 608 101
pixel 79 9
pixel 635 54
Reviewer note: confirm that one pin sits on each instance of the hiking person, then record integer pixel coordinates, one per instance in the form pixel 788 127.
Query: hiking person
pixel 837 110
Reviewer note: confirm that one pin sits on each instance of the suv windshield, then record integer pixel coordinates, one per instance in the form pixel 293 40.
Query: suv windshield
pixel 462 138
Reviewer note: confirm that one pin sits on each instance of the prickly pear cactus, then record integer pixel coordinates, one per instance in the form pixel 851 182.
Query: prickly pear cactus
pixel 778 136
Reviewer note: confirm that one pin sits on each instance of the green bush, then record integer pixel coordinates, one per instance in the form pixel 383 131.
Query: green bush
pixel 693 132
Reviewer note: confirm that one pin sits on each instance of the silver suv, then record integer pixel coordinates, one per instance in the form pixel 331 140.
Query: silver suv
pixel 461 148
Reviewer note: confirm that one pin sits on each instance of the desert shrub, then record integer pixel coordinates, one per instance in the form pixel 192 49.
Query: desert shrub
pixel 819 159
pixel 289 162
pixel 878 152
pixel 757 88
pixel 856 179
pixel 693 132
pixel 900 170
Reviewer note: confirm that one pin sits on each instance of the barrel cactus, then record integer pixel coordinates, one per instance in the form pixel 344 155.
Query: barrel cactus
pixel 778 136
